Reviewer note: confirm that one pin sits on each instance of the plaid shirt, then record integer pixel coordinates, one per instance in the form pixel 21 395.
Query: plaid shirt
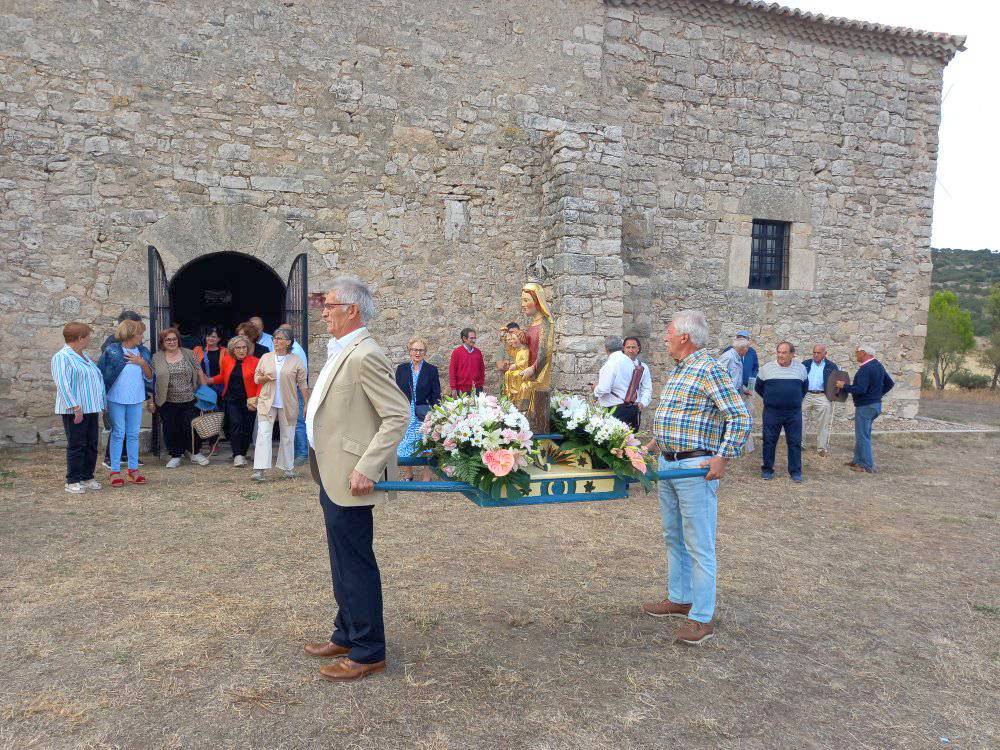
pixel 701 410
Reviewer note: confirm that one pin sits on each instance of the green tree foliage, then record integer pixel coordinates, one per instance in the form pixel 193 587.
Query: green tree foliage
pixel 969 274
pixel 949 337
pixel 990 356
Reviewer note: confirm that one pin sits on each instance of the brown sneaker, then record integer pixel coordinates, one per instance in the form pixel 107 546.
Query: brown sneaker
pixel 823 452
pixel 694 633
pixel 666 608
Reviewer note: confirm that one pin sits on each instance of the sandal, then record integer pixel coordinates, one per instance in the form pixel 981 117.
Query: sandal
pixel 135 477
pixel 116 479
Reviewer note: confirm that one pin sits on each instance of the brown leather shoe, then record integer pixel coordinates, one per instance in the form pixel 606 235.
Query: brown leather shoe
pixel 344 669
pixel 326 650
pixel 694 633
pixel 666 608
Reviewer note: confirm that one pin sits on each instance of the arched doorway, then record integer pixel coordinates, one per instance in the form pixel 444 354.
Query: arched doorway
pixel 224 289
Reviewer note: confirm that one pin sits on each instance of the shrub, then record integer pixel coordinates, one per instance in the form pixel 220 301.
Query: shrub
pixel 963 378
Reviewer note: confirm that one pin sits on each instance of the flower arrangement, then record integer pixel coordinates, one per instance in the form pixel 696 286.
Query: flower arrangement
pixel 610 443
pixel 482 440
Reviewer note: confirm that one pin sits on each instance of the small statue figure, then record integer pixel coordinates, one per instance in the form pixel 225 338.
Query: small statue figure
pixel 514 385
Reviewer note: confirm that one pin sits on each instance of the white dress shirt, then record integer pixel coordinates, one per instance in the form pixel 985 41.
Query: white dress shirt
pixel 333 348
pixel 614 378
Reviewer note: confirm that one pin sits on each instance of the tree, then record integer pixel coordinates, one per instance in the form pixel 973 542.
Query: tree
pixel 990 356
pixel 949 337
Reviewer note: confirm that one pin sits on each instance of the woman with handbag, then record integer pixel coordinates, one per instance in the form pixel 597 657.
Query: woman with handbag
pixel 239 395
pixel 420 382
pixel 127 367
pixel 210 355
pixel 281 375
pixel 177 378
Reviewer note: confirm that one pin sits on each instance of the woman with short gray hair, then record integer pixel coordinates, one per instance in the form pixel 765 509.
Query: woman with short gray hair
pixel 281 376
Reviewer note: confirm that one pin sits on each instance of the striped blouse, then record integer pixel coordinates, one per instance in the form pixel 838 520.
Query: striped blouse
pixel 78 382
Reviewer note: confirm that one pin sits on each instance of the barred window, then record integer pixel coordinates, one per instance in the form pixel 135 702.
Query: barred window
pixel 769 254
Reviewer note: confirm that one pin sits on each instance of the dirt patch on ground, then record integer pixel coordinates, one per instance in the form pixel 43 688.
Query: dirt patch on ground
pixel 855 611
pixel 978 407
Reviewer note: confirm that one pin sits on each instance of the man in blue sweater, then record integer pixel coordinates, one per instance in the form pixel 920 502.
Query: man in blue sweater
pixel 782 385
pixel 871 383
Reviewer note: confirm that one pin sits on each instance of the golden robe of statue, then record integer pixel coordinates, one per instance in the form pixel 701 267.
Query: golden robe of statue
pixel 528 385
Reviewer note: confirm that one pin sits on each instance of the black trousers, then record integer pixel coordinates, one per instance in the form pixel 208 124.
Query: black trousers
pixel 239 427
pixel 176 419
pixel 629 414
pixel 81 447
pixel 357 583
pixel 774 420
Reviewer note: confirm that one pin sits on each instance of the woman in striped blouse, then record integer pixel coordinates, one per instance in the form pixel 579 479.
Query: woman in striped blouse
pixel 79 399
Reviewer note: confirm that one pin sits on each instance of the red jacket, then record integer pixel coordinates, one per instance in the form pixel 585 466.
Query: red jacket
pixel 466 370
pixel 226 365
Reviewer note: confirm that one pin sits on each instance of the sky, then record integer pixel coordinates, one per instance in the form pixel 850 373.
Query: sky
pixel 967 194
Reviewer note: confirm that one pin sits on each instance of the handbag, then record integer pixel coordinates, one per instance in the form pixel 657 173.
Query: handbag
pixel 421 411
pixel 207 425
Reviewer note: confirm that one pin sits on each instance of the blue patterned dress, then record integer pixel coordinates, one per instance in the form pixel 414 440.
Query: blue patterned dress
pixel 408 445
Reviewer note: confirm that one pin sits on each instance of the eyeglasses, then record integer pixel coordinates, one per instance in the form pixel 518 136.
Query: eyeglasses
pixel 418 351
pixel 171 340
pixel 331 305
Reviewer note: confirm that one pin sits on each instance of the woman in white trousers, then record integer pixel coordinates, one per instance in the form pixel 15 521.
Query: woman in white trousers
pixel 282 376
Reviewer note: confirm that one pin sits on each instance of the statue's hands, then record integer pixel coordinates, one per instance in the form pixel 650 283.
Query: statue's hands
pixel 503 366
pixel 528 372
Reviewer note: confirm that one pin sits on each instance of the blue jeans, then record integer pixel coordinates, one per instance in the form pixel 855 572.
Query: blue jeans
pixel 863 418
pixel 125 422
pixel 301 440
pixel 689 508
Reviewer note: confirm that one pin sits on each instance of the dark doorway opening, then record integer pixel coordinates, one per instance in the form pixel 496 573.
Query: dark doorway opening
pixel 224 289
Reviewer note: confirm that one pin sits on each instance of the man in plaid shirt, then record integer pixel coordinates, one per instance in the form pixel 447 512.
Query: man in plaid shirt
pixel 701 422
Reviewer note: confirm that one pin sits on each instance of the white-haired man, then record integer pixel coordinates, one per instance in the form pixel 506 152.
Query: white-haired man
pixel 624 383
pixel 354 420
pixel 732 359
pixel 700 421
pixel 871 383
pixel 819 369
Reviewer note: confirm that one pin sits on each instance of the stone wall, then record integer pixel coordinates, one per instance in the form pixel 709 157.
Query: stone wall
pixel 449 150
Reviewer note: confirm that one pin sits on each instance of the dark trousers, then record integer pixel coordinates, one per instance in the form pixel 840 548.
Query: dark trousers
pixel 791 421
pixel 239 423
pixel 176 419
pixel 629 414
pixel 81 447
pixel 357 583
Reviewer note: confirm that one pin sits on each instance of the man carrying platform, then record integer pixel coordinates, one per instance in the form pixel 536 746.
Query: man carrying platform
pixel 701 421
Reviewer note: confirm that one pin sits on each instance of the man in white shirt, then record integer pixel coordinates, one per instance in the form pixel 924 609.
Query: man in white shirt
pixel 819 368
pixel 624 382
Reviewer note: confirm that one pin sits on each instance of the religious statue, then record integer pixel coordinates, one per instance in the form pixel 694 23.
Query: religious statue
pixel 528 384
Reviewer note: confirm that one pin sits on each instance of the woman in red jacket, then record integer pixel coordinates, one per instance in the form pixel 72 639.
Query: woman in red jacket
pixel 239 395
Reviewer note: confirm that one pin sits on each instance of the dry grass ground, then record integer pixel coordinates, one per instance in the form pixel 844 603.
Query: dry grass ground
pixel 854 611
pixel 973 407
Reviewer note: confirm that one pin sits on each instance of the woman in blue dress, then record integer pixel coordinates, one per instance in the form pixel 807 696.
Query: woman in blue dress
pixel 420 382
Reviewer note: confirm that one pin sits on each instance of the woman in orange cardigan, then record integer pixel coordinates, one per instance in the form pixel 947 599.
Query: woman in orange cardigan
pixel 236 376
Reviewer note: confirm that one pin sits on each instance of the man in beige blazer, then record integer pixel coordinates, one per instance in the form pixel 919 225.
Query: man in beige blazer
pixel 354 421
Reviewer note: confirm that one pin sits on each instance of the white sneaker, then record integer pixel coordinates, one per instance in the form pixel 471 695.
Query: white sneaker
pixel 257 476
pixel 239 461
pixel 289 474
pixel 75 488
pixel 92 484
pixel 173 463
pixel 199 459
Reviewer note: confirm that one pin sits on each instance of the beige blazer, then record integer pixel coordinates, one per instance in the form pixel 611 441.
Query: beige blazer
pixel 360 419
pixel 162 375
pixel 293 375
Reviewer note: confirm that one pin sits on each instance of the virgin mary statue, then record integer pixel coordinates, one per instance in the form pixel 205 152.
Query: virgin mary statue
pixel 536 379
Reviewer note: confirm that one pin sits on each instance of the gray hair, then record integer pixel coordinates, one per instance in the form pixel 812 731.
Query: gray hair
pixel 741 342
pixel 613 344
pixel 867 347
pixel 284 332
pixel 694 324
pixel 354 291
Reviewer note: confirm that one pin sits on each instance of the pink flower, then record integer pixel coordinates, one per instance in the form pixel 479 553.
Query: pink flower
pixel 508 434
pixel 450 444
pixel 500 462
pixel 449 470
pixel 635 457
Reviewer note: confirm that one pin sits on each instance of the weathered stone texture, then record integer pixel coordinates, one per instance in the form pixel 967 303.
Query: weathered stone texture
pixel 448 154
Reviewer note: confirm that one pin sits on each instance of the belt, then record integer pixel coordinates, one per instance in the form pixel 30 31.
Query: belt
pixel 817 391
pixel 680 455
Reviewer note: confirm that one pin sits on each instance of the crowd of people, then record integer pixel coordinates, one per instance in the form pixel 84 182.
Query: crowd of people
pixel 257 380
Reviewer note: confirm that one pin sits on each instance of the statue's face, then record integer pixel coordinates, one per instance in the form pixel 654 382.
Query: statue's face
pixel 527 304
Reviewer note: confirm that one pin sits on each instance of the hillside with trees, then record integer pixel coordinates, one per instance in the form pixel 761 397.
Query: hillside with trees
pixel 970 274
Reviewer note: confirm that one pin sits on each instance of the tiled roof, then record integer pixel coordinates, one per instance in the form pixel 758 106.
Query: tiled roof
pixel 815 26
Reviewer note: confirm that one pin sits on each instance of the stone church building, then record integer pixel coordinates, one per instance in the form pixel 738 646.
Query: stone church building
pixel 201 162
